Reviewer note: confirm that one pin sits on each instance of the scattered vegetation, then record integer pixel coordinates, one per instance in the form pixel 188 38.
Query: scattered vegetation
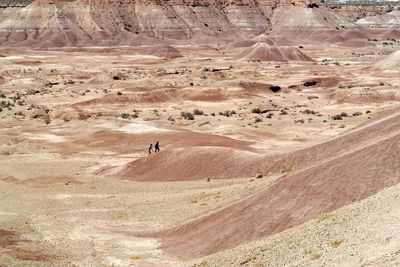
pixel 47 119
pixel 337 117
pixel 315 255
pixel 227 113
pixel 120 215
pixel 187 115
pixel 335 242
pixel 198 112
pixel 325 216
pixel 286 168
pixel 126 115
pixel 299 121
pixel 32 92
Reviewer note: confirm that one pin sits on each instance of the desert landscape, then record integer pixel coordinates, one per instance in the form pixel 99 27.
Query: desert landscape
pixel 278 123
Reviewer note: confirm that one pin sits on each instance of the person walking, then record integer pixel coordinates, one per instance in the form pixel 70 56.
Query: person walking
pixel 150 149
pixel 157 147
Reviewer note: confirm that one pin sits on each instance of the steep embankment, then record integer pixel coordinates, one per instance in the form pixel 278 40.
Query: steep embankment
pixel 336 173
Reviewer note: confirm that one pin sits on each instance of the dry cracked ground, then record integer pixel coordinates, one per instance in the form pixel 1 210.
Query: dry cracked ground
pixel 78 187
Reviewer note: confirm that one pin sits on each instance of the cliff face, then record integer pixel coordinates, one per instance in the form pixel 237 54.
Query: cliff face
pixel 95 22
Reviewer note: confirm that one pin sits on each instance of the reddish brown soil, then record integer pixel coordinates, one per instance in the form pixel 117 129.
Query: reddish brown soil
pixel 256 87
pixel 347 169
pixel 171 95
pixel 348 96
pixel 28 62
pixel 9 244
pixel 125 143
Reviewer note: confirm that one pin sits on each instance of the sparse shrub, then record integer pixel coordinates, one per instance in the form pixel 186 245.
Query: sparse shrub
pixel 47 119
pixel 227 113
pixel 125 115
pixel 32 92
pixel 335 242
pixel 337 117
pixel 19 113
pixel 344 114
pixel 213 114
pixel 355 114
pixel 198 112
pixel 21 103
pixel 286 168
pixel 315 255
pixel 307 111
pixel 325 216
pixel 187 115
pixel 6 104
pixel 257 120
pixel 135 115
pixel 269 115
pixel 299 121
pixel 310 83
pixel 256 110
pixel 2 95
pixel 283 112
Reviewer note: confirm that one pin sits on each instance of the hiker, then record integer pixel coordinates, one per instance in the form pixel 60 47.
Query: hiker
pixel 157 147
pixel 150 149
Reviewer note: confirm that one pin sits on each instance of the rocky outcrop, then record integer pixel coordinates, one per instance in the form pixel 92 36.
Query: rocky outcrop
pixel 88 22
pixel 49 23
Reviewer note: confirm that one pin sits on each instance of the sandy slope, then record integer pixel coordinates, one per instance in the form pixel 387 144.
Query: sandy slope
pixel 361 234
pixel 325 185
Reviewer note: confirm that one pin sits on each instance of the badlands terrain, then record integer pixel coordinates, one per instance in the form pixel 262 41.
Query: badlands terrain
pixel 278 121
